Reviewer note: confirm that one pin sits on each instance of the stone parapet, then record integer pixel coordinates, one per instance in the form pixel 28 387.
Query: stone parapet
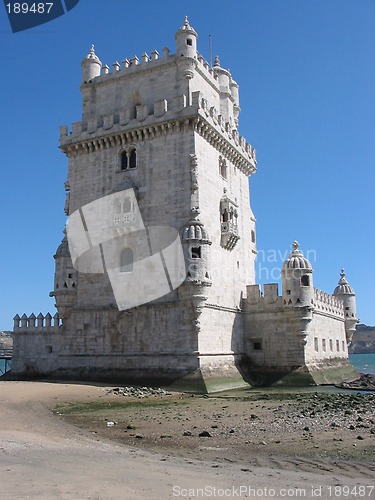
pixel 328 304
pixel 117 130
pixel 37 324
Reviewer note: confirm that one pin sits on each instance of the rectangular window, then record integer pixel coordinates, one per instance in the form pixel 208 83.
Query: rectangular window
pixel 196 252
pixel 305 280
pixel 257 345
pixel 343 345
pixel 337 345
pixel 324 347
pixel 330 344
pixel 316 344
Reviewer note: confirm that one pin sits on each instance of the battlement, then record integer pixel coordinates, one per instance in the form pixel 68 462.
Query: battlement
pixel 37 324
pixel 133 65
pixel 258 300
pixel 151 62
pixel 326 303
pixel 323 302
pixel 166 116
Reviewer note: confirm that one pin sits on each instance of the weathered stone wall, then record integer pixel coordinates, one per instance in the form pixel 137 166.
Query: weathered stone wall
pixel 326 339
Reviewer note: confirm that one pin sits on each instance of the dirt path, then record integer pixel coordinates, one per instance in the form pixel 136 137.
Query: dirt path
pixel 43 457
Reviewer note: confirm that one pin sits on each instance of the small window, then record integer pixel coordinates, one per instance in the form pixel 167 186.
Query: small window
pixel 324 347
pixel 223 169
pixel 330 344
pixel 316 344
pixel 288 292
pixel 337 345
pixel 124 160
pixel 252 236
pixel 128 159
pixel 343 345
pixel 346 308
pixel 196 252
pixel 257 345
pixel 305 281
pixel 189 41
pixel 126 261
pixel 132 159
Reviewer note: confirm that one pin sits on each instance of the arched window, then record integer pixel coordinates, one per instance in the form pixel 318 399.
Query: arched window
pixel 132 158
pixel 223 168
pixel 124 160
pixel 126 260
pixel 128 159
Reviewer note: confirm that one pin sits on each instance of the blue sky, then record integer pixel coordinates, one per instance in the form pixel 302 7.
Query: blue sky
pixel 307 77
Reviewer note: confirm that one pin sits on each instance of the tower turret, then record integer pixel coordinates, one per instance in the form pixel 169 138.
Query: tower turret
pixel 297 282
pixel 346 293
pixel 196 244
pixel 229 98
pixel 65 290
pixel 186 40
pixel 91 66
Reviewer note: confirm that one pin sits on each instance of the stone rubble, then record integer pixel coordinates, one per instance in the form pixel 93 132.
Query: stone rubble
pixel 138 392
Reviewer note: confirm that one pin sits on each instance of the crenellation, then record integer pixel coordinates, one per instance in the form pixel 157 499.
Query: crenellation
pixel 100 127
pixel 329 304
pixel 134 61
pixel 35 324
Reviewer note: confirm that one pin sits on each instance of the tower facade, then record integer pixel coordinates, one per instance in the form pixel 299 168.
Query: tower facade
pixel 165 129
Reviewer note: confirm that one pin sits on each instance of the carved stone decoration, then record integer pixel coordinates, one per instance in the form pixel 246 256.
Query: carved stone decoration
pixel 229 223
pixel 194 172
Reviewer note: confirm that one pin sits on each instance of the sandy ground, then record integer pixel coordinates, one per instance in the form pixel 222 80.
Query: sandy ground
pixel 45 454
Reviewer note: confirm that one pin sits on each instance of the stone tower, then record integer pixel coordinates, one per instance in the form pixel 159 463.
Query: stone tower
pixel 154 278
pixel 165 128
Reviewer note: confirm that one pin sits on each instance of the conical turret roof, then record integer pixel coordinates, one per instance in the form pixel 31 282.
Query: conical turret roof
pixel 343 287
